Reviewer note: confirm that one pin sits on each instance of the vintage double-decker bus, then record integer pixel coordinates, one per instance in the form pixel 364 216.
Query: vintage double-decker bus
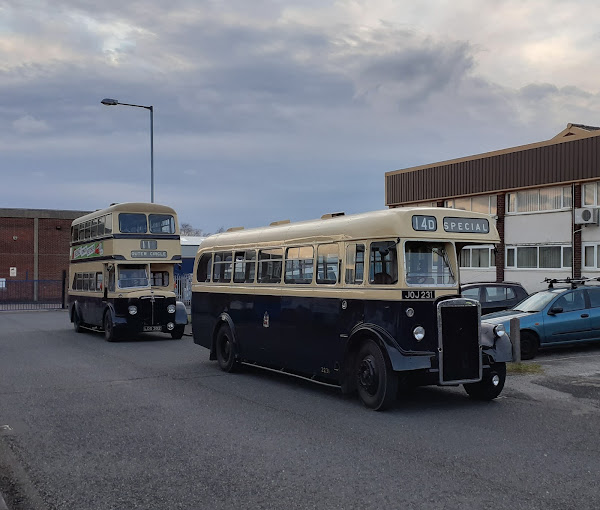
pixel 360 301
pixel 121 271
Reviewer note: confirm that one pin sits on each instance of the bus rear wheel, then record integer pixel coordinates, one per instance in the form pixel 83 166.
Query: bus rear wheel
pixel 76 322
pixel 376 381
pixel 226 350
pixel 109 328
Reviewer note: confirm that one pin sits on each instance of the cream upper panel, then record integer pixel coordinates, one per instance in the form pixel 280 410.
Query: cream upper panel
pixel 388 223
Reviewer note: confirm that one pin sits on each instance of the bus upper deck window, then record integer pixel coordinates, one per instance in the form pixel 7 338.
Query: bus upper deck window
pixel 132 223
pixel 161 224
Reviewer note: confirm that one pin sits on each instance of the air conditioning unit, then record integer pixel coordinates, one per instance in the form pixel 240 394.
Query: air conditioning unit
pixel 586 216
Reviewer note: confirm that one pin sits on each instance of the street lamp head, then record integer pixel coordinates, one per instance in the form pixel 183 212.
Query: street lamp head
pixel 109 102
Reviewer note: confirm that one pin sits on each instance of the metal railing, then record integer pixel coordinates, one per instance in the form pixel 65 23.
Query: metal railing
pixel 183 288
pixel 32 294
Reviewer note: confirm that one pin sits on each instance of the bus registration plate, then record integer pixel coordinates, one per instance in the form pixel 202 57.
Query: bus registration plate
pixel 418 294
pixel 152 328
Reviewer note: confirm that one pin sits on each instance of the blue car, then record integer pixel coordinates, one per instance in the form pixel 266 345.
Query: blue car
pixel 557 316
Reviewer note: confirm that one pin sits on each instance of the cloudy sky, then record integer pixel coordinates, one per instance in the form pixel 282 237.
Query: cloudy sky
pixel 271 109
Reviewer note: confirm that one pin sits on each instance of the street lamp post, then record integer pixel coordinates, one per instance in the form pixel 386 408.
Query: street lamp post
pixel 113 102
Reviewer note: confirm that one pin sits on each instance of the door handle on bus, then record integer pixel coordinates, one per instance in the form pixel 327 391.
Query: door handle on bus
pixel 585 315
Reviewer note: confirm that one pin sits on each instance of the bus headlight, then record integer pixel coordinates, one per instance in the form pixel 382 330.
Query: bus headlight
pixel 499 330
pixel 132 310
pixel 171 308
pixel 170 326
pixel 419 333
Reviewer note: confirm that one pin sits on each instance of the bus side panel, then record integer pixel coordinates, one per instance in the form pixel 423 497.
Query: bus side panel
pixel 204 318
pixel 257 321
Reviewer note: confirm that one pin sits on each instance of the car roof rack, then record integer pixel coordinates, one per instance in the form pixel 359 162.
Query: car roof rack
pixel 573 282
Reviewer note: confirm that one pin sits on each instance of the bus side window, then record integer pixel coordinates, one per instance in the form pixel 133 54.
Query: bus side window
pixel 99 280
pixel 383 263
pixel 222 267
pixel 327 263
pixel 244 266
pixel 269 265
pixel 355 263
pixel 204 267
pixel 299 264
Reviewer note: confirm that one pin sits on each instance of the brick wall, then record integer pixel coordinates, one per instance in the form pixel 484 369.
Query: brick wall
pixel 16 247
pixel 53 247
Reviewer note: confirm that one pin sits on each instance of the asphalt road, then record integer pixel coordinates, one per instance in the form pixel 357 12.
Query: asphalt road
pixel 153 424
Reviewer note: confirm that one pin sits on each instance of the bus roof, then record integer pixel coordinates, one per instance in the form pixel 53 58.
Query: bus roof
pixel 385 223
pixel 136 207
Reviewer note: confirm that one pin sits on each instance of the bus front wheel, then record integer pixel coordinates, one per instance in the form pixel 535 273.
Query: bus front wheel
pixel 376 381
pixel 177 333
pixel 109 328
pixel 225 350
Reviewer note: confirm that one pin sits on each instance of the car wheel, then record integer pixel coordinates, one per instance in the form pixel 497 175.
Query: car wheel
pixel 109 328
pixel 491 383
pixel 529 345
pixel 377 383
pixel 226 350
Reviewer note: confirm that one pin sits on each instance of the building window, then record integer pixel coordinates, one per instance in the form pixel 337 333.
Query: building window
pixel 487 204
pixel 539 257
pixel 591 255
pixel 541 199
pixel 591 193
pixel 480 257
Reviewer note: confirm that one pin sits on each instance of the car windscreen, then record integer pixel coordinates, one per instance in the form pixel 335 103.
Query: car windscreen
pixel 538 301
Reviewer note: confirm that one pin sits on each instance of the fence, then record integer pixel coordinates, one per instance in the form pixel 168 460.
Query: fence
pixel 183 288
pixel 32 294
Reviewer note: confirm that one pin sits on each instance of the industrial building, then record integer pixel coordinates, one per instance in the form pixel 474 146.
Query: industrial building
pixel 544 197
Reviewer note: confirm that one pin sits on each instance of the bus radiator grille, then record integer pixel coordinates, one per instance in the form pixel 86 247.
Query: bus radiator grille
pixel 460 358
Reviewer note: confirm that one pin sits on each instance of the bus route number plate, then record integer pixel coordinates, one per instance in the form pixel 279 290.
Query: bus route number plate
pixel 418 294
pixel 152 328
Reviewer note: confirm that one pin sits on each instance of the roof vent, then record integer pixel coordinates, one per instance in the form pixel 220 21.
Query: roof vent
pixel 234 229
pixel 333 215
pixel 280 222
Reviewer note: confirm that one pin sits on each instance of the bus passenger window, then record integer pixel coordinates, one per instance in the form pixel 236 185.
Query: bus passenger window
pixel 244 266
pixel 99 280
pixel 355 263
pixel 132 223
pixel 383 263
pixel 222 267
pixel 327 263
pixel 269 265
pixel 299 264
pixel 204 267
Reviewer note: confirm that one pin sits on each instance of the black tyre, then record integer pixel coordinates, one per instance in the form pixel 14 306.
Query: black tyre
pixel 177 333
pixel 376 382
pixel 491 384
pixel 109 328
pixel 76 321
pixel 529 345
pixel 226 350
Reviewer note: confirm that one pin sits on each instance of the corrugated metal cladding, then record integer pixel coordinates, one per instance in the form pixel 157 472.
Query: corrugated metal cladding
pixel 574 160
